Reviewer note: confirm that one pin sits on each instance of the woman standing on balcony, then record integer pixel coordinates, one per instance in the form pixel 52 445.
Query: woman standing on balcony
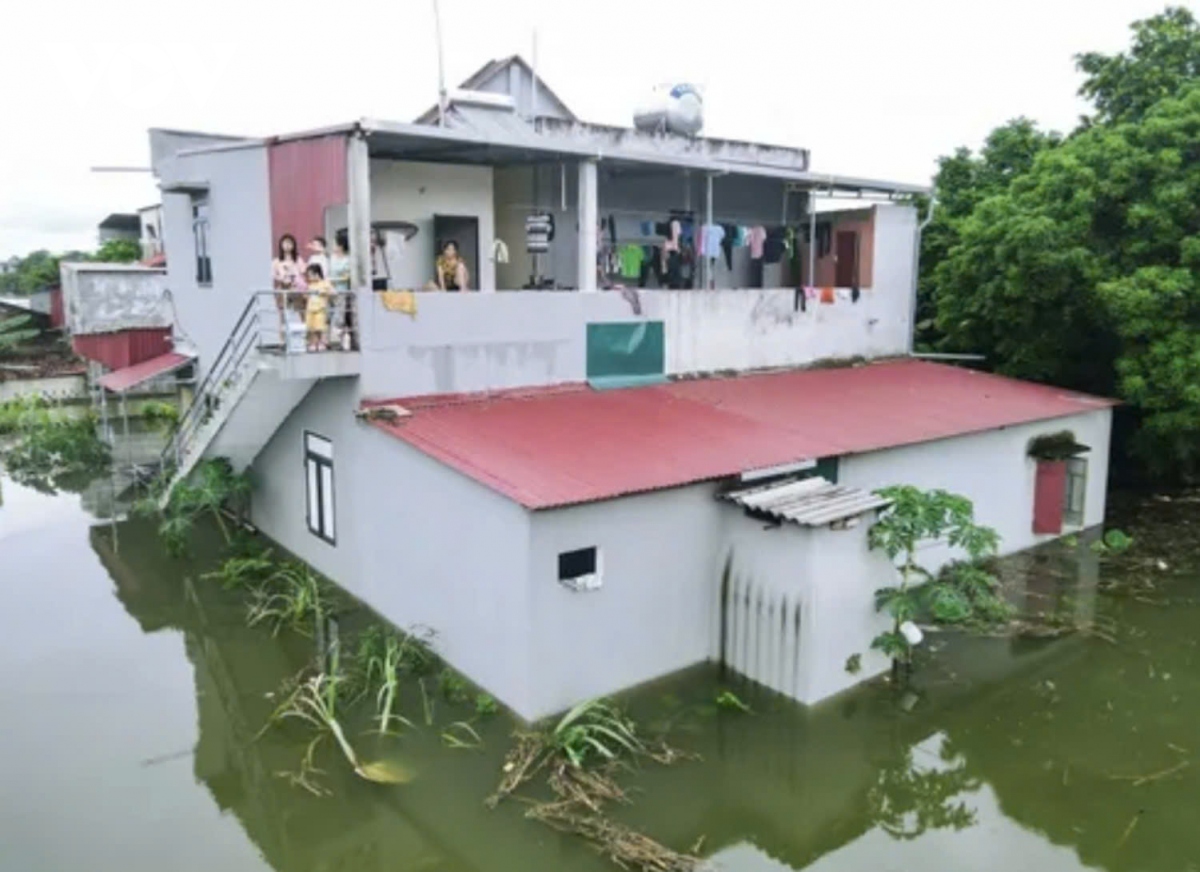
pixel 287 271
pixel 451 271
pixel 342 328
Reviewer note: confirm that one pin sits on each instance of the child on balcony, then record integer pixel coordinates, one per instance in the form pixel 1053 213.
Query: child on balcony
pixel 316 320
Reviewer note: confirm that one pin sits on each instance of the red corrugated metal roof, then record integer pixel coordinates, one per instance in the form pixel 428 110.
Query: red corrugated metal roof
pixel 571 444
pixel 121 380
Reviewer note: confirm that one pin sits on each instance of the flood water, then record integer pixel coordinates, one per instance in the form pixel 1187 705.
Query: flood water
pixel 132 695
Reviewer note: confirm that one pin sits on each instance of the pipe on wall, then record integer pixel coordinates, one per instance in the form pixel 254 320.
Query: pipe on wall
pixel 916 275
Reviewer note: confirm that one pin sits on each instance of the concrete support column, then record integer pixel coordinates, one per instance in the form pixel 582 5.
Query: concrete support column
pixel 707 271
pixel 587 207
pixel 358 184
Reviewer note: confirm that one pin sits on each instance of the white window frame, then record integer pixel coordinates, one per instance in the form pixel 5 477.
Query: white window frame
pixel 587 581
pixel 200 227
pixel 319 507
pixel 1075 501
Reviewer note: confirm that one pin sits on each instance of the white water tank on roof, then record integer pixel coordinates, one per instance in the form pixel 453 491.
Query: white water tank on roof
pixel 673 109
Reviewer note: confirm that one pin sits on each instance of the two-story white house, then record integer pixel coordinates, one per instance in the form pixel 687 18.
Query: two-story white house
pixel 631 466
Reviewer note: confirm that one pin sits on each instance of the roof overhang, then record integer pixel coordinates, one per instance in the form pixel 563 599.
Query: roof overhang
pixel 522 144
pixel 185 187
pixel 504 139
pixel 121 380
pixel 809 502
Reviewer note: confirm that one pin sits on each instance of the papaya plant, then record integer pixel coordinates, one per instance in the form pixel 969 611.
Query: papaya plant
pixel 963 593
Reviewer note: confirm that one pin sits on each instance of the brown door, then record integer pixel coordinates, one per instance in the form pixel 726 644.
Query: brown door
pixel 846 274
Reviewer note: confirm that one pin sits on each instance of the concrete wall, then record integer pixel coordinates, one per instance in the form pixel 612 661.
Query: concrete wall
pixel 416 192
pixel 993 470
pixel 56 387
pixel 113 297
pixel 479 342
pixel 652 615
pixel 239 243
pixel 475 342
pixel 830 576
pixel 417 541
pixel 279 506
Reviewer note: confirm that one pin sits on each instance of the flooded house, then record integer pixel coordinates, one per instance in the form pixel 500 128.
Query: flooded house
pixel 647 429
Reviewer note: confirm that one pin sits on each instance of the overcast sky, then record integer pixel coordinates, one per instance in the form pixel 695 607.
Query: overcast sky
pixel 875 88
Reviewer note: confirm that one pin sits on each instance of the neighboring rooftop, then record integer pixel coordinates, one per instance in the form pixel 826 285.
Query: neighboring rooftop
pixel 571 444
pixel 513 76
pixel 122 222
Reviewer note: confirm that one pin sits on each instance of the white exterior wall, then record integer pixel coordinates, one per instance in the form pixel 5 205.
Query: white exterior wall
pixel 993 470
pixel 416 192
pixel 653 613
pixel 110 297
pixel 417 541
pixel 477 342
pixel 831 576
pixel 239 243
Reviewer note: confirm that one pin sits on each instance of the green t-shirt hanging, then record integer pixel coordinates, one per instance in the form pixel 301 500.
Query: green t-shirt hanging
pixel 631 261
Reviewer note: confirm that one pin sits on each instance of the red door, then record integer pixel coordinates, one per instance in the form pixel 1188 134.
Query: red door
pixel 1049 496
pixel 846 274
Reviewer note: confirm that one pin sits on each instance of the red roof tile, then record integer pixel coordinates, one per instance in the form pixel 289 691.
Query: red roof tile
pixel 572 444
pixel 121 380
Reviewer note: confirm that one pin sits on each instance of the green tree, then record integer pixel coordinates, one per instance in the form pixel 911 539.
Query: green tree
pixel 37 271
pixel 1077 262
pixel 1164 58
pixel 963 181
pixel 119 251
pixel 1086 273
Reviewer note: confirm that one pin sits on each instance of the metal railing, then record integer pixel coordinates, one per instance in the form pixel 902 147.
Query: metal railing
pixel 273 322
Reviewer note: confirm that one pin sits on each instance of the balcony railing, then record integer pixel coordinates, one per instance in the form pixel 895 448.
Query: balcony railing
pixel 303 322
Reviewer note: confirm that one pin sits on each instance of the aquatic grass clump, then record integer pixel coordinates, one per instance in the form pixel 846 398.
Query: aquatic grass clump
pixel 292 597
pixel 249 572
pixel 315 698
pixel 314 701
pixel 461 734
pixel 594 729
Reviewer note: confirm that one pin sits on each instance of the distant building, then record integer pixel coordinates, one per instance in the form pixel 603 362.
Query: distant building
pixel 120 225
pixel 608 456
pixel 150 234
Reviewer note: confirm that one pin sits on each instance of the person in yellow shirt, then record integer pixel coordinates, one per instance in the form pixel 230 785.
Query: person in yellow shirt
pixel 316 309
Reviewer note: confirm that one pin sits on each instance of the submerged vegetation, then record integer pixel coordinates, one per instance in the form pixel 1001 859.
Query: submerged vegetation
pixel 47 445
pixel 212 489
pixel 581 755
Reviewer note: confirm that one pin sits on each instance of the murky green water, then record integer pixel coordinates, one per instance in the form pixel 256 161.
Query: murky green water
pixel 131 695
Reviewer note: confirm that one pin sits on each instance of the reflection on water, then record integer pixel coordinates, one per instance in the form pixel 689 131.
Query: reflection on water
pixel 134 695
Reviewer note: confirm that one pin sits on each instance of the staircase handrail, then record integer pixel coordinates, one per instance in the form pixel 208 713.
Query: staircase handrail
pixel 231 355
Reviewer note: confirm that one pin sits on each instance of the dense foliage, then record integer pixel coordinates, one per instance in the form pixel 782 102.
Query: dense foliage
pixel 46 445
pixel 1076 260
pixel 38 270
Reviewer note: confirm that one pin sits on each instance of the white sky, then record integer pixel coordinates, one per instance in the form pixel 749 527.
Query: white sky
pixel 876 88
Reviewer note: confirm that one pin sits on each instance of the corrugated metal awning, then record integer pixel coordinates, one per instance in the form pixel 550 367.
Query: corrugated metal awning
pixel 810 502
pixel 121 380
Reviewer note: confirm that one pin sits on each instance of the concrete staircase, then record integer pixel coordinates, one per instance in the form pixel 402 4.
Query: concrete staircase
pixel 249 390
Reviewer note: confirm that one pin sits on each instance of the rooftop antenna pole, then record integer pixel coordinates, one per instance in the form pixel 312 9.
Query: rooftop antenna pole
pixel 437 28
pixel 533 99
